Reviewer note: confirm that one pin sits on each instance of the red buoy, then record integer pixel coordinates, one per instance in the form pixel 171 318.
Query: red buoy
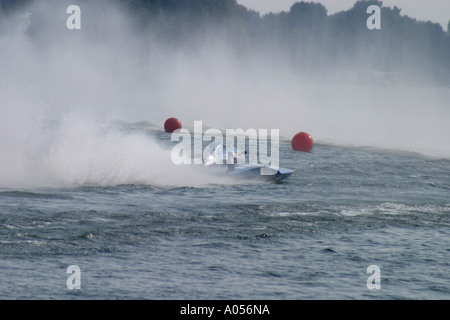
pixel 302 141
pixel 172 124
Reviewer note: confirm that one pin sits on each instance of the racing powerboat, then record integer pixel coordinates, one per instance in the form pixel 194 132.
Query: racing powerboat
pixel 234 162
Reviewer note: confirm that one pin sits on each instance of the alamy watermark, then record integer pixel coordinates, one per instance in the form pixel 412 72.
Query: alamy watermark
pixel 374 280
pixel 228 148
pixel 74 20
pixel 74 280
pixel 374 21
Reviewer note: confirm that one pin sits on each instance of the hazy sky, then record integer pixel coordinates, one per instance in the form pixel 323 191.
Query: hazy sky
pixel 434 10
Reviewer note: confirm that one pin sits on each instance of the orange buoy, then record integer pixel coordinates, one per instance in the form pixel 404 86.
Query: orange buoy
pixel 172 124
pixel 302 141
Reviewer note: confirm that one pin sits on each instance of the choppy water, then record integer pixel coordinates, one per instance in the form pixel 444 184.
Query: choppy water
pixel 311 236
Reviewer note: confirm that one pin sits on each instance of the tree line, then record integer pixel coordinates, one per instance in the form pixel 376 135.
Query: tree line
pixel 313 42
